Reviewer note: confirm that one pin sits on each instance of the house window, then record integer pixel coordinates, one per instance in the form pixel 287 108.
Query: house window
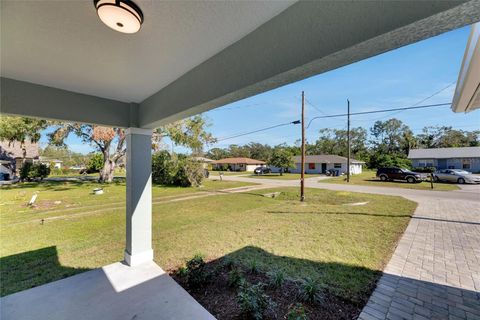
pixel 311 166
pixel 465 163
pixel 425 163
pixel 337 165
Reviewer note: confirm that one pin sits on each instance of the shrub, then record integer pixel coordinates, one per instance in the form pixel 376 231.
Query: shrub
pixel 228 263
pixel 386 160
pixel 163 168
pixel 253 301
pixel 296 312
pixel 188 173
pixel 252 266
pixel 235 278
pixel 309 290
pixel 176 170
pixel 182 272
pixel 30 171
pixel 277 278
pixel 196 273
pixel 95 163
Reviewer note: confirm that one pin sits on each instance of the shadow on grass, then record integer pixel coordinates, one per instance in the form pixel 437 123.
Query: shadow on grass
pixel 31 269
pixel 344 213
pixel 345 289
pixel 349 282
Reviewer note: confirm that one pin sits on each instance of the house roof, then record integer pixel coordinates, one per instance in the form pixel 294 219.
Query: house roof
pixel 325 158
pixel 238 161
pixel 441 153
pixel 15 149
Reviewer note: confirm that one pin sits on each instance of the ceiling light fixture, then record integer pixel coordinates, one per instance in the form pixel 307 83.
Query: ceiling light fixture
pixel 120 15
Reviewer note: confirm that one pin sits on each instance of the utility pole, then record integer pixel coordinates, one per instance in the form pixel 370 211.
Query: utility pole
pixel 302 175
pixel 348 140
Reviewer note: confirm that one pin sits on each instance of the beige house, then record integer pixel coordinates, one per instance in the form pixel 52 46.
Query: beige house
pixel 238 164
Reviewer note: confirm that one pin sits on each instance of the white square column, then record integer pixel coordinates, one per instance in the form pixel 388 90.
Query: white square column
pixel 139 196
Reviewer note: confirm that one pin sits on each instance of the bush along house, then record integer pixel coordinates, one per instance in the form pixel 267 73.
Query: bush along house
pixel 466 158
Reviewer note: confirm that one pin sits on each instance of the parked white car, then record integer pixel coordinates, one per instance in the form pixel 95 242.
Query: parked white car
pixel 456 176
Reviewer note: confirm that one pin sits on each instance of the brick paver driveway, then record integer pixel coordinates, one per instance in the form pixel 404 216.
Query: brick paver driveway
pixel 434 272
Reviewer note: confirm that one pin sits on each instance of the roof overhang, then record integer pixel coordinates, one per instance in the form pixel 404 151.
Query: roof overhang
pixel 467 92
pixel 282 44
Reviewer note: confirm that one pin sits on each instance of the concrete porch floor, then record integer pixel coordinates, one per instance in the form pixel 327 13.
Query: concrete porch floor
pixel 116 291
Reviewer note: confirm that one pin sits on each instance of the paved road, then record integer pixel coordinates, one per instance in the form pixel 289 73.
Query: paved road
pixel 434 272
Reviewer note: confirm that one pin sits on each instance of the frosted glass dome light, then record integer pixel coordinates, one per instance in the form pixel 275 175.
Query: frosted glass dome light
pixel 120 15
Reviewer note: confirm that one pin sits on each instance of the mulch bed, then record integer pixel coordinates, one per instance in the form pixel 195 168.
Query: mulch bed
pixel 221 300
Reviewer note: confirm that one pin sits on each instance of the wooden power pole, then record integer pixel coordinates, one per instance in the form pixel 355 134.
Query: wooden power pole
pixel 348 140
pixel 302 175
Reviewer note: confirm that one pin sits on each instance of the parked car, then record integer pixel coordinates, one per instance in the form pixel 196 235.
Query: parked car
pixel 456 176
pixel 262 170
pixel 393 173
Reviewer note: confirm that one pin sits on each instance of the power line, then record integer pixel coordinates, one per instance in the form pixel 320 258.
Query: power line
pixel 379 111
pixel 259 130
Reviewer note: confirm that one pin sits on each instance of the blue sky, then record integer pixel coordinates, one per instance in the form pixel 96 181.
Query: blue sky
pixel 398 78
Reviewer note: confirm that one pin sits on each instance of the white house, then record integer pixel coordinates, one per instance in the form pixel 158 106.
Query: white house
pixel 322 163
pixel 238 164
pixel 57 164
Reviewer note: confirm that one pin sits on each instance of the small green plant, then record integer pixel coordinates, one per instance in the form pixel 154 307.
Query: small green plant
pixel 228 263
pixel 196 273
pixel 253 301
pixel 296 312
pixel 235 278
pixel 182 272
pixel 276 278
pixel 252 266
pixel 309 290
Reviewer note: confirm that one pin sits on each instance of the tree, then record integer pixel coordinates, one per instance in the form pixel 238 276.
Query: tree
pixel 68 157
pixel 281 158
pixel 259 151
pixel 190 133
pixel 217 153
pixel 110 142
pixel 20 129
pixel 446 137
pixel 391 137
pixel 335 141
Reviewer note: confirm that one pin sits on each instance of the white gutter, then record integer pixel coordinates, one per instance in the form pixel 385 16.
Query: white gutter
pixel 467 92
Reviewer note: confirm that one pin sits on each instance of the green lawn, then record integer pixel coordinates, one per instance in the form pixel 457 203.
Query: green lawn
pixel 285 176
pixel 367 178
pixel 70 198
pixel 343 246
pixel 230 173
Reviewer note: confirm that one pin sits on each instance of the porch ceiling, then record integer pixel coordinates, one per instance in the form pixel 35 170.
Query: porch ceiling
pixel 190 57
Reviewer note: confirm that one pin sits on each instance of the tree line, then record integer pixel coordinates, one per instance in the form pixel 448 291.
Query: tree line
pixel 386 143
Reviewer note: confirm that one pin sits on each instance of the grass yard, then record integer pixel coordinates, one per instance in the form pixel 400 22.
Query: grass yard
pixel 367 178
pixel 344 246
pixel 71 198
pixel 285 176
pixel 229 173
